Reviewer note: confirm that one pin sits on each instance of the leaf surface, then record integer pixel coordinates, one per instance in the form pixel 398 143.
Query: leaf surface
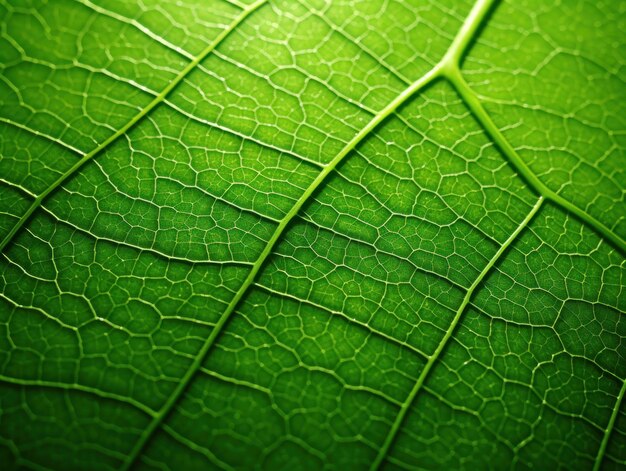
pixel 297 234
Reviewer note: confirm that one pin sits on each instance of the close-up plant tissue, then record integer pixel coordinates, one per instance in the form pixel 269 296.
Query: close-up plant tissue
pixel 312 234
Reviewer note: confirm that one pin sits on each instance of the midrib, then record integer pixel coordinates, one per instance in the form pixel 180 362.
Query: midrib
pixel 609 428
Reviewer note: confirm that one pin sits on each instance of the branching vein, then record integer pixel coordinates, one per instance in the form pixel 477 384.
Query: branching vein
pixel 120 132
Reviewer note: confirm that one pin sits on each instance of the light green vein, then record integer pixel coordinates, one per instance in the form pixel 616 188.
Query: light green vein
pixel 466 34
pixel 41 134
pixel 474 18
pixel 395 428
pixel 136 24
pixel 280 229
pixel 17 187
pixel 197 448
pixel 450 69
pixel 330 312
pixel 78 387
pixel 120 132
pixel 609 428
pixel 471 99
pixel 449 62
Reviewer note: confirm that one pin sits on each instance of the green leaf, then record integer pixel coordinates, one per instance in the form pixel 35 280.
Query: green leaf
pixel 297 234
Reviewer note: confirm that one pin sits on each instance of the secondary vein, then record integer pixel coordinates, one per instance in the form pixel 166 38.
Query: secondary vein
pixel 471 24
pixel 258 264
pixel 120 132
pixel 450 68
pixel 78 387
pixel 609 428
pixel 395 428
pixel 471 100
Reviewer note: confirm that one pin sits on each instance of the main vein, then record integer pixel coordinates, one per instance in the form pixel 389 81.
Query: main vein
pixel 450 68
pixel 258 264
pixel 406 405
pixel 120 132
pixel 609 428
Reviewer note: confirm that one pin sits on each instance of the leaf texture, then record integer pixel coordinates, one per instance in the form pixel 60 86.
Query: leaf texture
pixel 306 234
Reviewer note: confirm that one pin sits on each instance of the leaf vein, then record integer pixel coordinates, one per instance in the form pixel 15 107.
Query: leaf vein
pixel 444 341
pixel 105 144
pixel 280 229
